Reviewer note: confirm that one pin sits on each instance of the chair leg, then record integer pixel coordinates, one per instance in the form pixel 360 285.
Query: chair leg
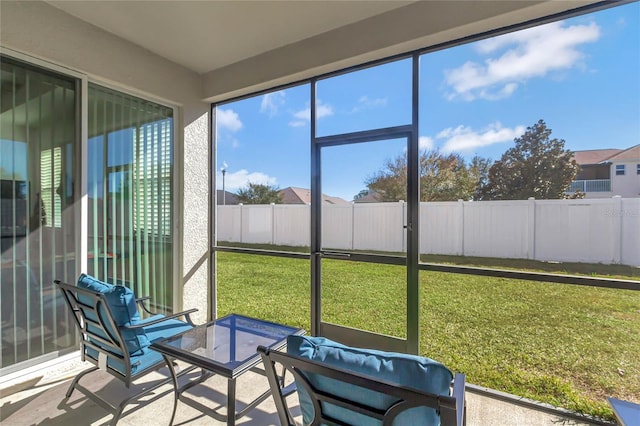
pixel 77 379
pixel 118 412
pixel 176 391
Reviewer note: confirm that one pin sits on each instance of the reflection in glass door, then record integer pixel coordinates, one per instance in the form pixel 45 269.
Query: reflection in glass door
pixel 38 119
pixel 130 189
pixel 361 243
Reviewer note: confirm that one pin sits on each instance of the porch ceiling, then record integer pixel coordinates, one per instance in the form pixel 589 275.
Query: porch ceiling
pixel 242 46
pixel 207 35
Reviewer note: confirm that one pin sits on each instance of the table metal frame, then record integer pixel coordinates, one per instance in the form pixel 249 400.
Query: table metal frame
pixel 210 367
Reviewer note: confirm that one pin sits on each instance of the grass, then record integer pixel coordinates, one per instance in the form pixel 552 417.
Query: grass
pixel 570 346
pixel 568 268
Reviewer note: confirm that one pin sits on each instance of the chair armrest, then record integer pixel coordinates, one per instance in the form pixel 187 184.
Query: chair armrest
pixel 186 314
pixel 140 301
pixel 459 383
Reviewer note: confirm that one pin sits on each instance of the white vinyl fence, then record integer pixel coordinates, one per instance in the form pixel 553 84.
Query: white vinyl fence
pixel 592 230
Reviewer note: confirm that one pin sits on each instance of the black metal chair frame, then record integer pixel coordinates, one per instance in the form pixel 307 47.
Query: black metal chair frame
pixel 111 346
pixel 451 409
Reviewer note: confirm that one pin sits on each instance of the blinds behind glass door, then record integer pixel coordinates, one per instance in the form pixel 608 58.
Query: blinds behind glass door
pixel 130 193
pixel 37 145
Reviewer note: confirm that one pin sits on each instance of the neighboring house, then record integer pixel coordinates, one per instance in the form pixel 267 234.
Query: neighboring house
pixel 605 173
pixel 228 199
pixel 371 197
pixel 293 195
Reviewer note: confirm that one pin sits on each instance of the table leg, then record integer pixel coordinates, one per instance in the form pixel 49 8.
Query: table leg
pixel 231 402
pixel 176 395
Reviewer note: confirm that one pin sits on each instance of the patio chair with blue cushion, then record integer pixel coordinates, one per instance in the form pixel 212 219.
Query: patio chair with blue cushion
pixel 342 385
pixel 115 339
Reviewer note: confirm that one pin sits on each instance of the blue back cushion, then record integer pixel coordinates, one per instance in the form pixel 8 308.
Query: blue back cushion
pixel 407 370
pixel 122 303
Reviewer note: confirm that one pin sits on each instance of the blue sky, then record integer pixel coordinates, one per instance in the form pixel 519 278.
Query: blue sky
pixel 580 75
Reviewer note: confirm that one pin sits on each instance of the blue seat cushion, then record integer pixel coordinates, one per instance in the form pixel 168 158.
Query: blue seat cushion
pixel 146 358
pixel 123 307
pixel 403 369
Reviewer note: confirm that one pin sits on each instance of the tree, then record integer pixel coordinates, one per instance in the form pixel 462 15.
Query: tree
pixel 361 194
pixel 390 183
pixel 479 169
pixel 537 166
pixel 258 193
pixel 443 177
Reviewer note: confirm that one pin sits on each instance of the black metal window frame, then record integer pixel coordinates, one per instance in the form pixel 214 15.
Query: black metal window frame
pixel 622 284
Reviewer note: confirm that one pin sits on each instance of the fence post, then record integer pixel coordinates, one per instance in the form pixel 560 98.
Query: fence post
pixel 307 241
pixel 241 214
pixel 532 228
pixel 617 215
pixel 353 225
pixel 460 227
pixel 273 224
pixel 403 229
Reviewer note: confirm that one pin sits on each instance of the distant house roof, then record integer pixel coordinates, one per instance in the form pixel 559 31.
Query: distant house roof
pixel 597 156
pixel 371 197
pixel 229 199
pixel 594 156
pixel 632 153
pixel 294 195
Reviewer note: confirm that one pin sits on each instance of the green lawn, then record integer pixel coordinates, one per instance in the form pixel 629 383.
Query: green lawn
pixel 570 346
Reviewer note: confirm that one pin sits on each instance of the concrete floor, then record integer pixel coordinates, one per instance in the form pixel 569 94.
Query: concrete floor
pixel 38 399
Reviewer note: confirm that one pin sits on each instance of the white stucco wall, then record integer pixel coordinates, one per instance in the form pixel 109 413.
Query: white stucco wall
pixel 628 185
pixel 39 30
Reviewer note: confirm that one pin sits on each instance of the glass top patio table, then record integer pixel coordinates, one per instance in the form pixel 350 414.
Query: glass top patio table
pixel 228 347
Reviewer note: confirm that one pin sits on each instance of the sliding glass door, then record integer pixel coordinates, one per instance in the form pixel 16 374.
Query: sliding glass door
pixel 130 203
pixel 130 175
pixel 38 145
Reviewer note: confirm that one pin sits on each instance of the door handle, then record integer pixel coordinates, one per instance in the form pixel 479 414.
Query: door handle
pixel 335 254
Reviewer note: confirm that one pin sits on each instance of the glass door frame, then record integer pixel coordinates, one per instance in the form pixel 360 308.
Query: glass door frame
pixel 361 337
pixel 78 81
pixel 80 212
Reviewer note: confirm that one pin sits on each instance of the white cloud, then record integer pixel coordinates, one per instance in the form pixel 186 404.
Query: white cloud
pixel 271 103
pixel 323 110
pixel 241 178
pixel 364 100
pixel 303 116
pixel 425 143
pixel 228 119
pixel 466 139
pixel 365 103
pixel 526 54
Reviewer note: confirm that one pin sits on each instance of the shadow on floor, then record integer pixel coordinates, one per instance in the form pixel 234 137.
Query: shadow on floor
pixel 48 406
